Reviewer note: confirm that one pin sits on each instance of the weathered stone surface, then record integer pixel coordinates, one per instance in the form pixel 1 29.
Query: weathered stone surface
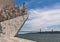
pixel 11 20
pixel 12 26
pixel 7 3
pixel 9 13
pixel 14 39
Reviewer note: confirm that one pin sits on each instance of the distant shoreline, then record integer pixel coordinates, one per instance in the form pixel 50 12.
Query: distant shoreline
pixel 50 32
pixel 41 32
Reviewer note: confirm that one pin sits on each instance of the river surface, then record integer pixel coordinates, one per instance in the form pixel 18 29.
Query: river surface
pixel 55 37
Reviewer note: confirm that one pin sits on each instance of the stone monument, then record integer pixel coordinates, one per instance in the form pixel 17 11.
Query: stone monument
pixel 12 19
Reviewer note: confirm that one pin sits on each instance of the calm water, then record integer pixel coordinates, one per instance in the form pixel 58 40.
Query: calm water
pixel 41 37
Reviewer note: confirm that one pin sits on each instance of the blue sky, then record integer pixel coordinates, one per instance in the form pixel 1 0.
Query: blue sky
pixel 38 3
pixel 44 14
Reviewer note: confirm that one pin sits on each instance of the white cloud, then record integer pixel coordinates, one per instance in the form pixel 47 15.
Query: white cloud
pixel 43 18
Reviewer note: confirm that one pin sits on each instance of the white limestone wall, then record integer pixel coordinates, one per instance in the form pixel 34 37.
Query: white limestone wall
pixel 4 3
pixel 12 26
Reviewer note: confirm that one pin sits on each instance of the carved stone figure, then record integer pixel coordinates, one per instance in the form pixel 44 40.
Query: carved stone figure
pixel 12 18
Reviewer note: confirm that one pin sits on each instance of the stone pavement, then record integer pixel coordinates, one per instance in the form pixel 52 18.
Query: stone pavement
pixel 14 39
